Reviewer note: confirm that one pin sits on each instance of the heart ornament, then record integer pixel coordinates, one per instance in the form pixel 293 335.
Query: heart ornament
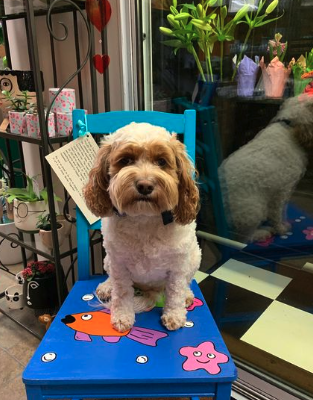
pixel 99 13
pixel 101 62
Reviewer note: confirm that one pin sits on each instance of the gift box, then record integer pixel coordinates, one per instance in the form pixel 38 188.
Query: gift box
pixel 33 127
pixel 17 122
pixel 65 102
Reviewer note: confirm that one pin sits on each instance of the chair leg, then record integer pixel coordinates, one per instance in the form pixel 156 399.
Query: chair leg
pixel 223 391
pixel 33 392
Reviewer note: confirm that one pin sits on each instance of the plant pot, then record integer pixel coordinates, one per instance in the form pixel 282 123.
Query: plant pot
pixel 204 92
pixel 64 123
pixel 17 122
pixel 41 292
pixel 275 76
pixel 26 214
pixel 33 127
pixel 66 224
pixel 14 296
pixel 9 208
pixel 46 237
pixel 10 253
pixel 299 85
pixel 246 77
pixel 65 102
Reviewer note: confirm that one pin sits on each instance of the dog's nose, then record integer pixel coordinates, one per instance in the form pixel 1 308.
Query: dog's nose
pixel 144 187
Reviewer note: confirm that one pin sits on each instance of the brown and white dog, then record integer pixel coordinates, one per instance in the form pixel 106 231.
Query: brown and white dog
pixel 142 186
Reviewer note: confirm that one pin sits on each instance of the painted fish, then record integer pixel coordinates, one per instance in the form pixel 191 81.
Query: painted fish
pixel 98 323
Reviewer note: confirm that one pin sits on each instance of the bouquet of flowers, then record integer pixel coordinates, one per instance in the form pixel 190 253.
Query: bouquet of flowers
pixel 38 269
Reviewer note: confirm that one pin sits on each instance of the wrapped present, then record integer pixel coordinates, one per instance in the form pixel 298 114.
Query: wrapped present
pixel 64 123
pixel 275 76
pixel 17 122
pixel 33 127
pixel 247 74
pixel 65 102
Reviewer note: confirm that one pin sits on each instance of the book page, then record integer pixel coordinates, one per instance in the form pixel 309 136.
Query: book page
pixel 72 164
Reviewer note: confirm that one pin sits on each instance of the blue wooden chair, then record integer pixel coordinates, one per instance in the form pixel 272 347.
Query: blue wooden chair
pixel 81 356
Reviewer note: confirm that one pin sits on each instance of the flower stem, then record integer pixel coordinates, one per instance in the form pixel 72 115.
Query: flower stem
pixel 221 61
pixel 194 53
pixel 240 55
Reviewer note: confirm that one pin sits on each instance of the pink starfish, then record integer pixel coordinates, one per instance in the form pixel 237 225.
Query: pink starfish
pixel 203 357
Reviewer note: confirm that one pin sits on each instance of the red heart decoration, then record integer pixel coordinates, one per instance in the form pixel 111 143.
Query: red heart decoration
pixel 101 62
pixel 99 12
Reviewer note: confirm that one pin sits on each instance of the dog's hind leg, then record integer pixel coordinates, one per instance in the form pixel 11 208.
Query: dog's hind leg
pixel 276 214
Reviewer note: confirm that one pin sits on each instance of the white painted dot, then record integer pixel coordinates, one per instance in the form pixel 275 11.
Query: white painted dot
pixel 88 297
pixel 302 217
pixel 48 357
pixel 289 233
pixel 189 324
pixel 298 220
pixel 142 359
pixel 284 237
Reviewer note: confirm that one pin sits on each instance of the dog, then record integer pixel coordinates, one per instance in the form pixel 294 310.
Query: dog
pixel 142 187
pixel 258 179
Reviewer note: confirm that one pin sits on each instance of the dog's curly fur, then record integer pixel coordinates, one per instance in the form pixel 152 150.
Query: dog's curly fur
pixel 258 179
pixel 142 171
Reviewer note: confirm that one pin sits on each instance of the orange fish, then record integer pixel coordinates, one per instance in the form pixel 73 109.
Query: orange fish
pixel 98 323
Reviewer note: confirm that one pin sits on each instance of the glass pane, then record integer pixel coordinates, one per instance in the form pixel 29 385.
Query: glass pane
pixel 245 66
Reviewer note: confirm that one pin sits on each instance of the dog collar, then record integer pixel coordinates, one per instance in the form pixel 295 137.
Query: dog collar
pixel 167 216
pixel 284 121
pixel 116 212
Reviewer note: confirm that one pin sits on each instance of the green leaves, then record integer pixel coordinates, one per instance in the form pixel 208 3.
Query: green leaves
pixel 28 194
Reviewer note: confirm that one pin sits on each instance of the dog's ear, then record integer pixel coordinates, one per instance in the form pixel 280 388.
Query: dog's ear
pixel 188 200
pixel 96 191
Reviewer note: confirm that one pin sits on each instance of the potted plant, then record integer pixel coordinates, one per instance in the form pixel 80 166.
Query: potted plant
pixel 255 19
pixel 203 26
pixel 45 233
pixel 275 74
pixel 32 123
pixel 302 66
pixel 18 106
pixel 27 204
pixel 40 287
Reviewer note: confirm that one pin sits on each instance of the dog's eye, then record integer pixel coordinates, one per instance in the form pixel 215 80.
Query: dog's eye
pixel 161 162
pixel 126 160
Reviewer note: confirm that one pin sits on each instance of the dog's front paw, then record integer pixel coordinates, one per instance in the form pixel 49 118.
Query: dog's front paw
pixel 173 322
pixel 122 323
pixel 282 228
pixel 104 290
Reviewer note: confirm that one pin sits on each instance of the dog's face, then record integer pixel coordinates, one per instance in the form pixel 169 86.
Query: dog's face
pixel 143 170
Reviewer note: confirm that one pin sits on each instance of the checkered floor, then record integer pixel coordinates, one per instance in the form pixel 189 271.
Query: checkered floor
pixel 264 308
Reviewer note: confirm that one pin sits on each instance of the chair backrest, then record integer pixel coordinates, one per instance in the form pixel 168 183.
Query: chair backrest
pixel 106 123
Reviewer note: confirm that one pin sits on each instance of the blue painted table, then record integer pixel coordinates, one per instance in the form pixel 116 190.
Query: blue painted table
pixel 81 356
